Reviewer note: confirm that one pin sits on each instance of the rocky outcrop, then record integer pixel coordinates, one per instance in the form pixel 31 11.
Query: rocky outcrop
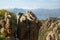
pixel 7 26
pixel 55 24
pixel 50 30
pixel 47 24
pixel 54 33
pixel 28 27
pixel 34 26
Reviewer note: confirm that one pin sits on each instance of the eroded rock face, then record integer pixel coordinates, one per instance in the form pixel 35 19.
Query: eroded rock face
pixel 27 26
pixel 34 26
pixel 54 34
pixel 47 24
pixel 34 30
pixel 2 23
pixel 21 26
pixel 31 16
pixel 9 26
pixel 30 33
pixel 55 24
pixel 6 24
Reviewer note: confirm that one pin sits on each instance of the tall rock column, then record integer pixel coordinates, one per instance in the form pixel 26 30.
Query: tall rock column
pixel 34 25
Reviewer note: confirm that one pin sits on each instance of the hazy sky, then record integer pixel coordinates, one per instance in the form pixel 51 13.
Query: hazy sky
pixel 46 4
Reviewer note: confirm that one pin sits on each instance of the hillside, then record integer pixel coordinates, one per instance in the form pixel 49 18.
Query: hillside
pixel 50 30
pixel 47 29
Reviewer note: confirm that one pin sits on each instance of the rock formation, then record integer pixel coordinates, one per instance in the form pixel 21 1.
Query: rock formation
pixel 28 26
pixel 21 26
pixel 47 24
pixel 54 34
pixel 34 25
pixel 7 26
pixel 31 16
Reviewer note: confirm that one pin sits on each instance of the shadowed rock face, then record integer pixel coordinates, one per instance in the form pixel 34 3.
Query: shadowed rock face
pixel 28 29
pixel 34 30
pixel 21 26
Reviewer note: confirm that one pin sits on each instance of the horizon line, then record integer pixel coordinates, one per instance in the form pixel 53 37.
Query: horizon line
pixel 29 8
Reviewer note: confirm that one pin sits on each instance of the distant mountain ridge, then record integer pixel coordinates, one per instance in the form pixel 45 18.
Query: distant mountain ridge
pixel 16 10
pixel 40 13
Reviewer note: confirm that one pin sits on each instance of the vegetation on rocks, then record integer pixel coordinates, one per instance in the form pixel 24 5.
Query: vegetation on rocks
pixel 47 26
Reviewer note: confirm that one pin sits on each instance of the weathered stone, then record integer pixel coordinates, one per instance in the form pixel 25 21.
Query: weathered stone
pixel 22 25
pixel 47 24
pixel 30 33
pixel 54 34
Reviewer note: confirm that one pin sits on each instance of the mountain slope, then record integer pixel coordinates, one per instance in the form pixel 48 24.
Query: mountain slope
pixel 40 13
